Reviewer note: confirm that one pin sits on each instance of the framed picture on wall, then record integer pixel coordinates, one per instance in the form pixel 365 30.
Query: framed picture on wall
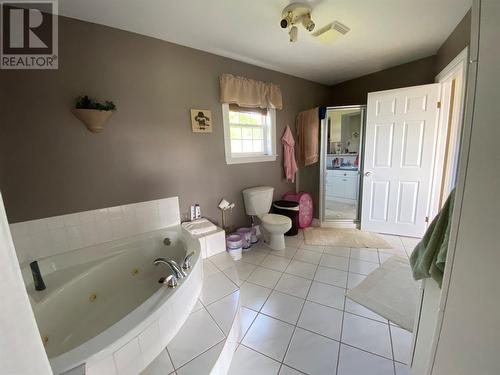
pixel 201 121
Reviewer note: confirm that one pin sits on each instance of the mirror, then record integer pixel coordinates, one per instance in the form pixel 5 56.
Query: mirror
pixel 343 142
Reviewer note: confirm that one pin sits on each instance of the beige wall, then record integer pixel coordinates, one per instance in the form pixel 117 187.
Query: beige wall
pixel 51 165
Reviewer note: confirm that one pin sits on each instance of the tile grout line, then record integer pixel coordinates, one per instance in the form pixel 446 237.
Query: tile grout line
pixel 259 312
pixel 170 357
pixel 266 355
pixel 319 303
pixel 295 326
pixel 326 337
pixel 343 313
pixel 204 307
pixel 199 355
pixel 261 307
pixel 304 300
pixel 211 316
pixel 392 350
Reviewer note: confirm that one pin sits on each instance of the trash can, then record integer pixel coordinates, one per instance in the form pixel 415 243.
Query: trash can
pixel 291 210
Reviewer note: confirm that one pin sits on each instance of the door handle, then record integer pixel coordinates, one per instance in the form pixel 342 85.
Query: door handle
pixel 368 174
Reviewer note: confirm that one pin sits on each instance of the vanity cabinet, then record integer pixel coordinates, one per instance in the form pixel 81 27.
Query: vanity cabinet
pixel 342 185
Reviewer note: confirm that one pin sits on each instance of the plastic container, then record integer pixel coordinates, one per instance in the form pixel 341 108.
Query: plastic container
pixel 254 239
pixel 305 207
pixel 235 253
pixel 289 209
pixel 234 241
pixel 246 237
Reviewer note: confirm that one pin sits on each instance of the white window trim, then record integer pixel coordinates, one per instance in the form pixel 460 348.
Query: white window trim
pixel 271 141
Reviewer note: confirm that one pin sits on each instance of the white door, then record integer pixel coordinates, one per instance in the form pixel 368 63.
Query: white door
pixel 400 139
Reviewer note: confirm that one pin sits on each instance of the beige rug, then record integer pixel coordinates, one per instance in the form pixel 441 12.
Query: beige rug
pixel 344 237
pixel 390 291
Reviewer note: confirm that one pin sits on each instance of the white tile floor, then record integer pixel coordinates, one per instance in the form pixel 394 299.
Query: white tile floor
pixel 296 320
pixel 294 316
pixel 198 345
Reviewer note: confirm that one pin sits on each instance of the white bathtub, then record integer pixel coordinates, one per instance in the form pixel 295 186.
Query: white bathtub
pixel 102 298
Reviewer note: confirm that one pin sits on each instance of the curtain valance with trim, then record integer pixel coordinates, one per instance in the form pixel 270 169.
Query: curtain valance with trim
pixel 249 93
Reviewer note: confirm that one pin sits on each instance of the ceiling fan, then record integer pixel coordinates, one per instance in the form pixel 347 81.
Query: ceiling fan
pixel 300 13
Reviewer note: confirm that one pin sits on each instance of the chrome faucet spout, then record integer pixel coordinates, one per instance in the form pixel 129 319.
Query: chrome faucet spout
pixel 177 271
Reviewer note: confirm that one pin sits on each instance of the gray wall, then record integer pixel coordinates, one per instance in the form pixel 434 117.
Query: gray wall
pixel 418 72
pixel 51 165
pixel 355 92
pixel 454 44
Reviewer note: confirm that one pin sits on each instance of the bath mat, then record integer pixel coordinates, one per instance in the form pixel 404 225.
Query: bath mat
pixel 344 237
pixel 390 291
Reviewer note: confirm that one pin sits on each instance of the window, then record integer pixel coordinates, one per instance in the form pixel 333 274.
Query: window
pixel 249 134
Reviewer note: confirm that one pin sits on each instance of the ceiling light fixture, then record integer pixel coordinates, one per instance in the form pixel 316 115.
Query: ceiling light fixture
pixel 300 13
pixel 294 14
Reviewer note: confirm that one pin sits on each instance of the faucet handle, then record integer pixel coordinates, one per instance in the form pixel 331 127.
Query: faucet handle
pixel 187 261
pixel 181 273
pixel 170 281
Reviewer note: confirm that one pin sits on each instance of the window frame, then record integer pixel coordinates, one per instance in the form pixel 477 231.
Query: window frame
pixel 269 140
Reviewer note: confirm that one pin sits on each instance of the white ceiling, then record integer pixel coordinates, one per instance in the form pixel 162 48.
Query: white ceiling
pixel 384 33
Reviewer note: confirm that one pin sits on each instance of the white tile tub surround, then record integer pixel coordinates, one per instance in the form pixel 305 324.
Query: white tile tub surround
pixel 45 237
pixel 147 340
pixel 206 343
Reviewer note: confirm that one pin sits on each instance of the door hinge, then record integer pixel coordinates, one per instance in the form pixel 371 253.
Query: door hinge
pixel 439 104
pixel 427 219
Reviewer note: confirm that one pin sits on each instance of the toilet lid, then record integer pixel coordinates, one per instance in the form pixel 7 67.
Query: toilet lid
pixel 275 219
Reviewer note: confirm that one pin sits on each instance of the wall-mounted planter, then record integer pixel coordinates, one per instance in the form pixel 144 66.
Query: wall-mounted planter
pixel 94 119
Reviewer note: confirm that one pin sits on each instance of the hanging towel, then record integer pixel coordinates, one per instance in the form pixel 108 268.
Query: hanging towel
pixel 429 257
pixel 307 127
pixel 289 155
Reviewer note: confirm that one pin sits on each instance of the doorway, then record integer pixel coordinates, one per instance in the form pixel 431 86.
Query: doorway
pixel 452 80
pixel 341 154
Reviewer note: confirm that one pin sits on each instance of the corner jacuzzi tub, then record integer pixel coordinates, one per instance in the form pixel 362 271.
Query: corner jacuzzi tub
pixel 102 298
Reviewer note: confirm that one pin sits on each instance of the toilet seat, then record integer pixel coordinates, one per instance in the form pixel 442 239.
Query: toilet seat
pixel 276 223
pixel 275 219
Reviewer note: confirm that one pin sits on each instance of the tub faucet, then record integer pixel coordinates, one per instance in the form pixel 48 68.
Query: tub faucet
pixel 177 271
pixel 37 276
pixel 187 261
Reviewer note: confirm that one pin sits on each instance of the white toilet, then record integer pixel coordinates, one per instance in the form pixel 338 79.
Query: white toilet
pixel 258 201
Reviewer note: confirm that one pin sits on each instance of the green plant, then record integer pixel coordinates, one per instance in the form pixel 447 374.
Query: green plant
pixel 84 102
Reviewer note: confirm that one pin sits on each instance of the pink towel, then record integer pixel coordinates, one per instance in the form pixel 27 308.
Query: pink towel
pixel 289 155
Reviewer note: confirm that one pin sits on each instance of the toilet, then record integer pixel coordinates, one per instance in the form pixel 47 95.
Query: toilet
pixel 258 202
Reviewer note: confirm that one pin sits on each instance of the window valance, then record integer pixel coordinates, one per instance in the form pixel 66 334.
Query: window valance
pixel 249 93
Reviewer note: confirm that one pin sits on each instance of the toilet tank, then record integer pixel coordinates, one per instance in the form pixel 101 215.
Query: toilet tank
pixel 258 200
